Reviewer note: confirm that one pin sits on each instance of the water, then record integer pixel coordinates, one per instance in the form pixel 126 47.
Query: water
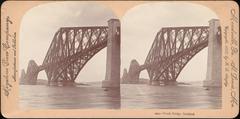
pixel 139 96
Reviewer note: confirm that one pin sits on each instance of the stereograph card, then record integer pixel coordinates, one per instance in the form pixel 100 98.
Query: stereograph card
pixel 155 59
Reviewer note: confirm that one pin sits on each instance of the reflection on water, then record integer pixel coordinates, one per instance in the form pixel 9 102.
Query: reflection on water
pixel 132 96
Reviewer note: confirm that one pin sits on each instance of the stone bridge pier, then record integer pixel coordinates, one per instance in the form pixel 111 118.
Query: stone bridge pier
pixel 112 77
pixel 214 63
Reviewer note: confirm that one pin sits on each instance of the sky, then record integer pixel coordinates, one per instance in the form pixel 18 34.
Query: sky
pixel 139 26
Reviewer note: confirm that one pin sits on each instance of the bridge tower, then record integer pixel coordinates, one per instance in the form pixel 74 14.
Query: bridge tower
pixel 214 70
pixel 112 78
pixel 30 76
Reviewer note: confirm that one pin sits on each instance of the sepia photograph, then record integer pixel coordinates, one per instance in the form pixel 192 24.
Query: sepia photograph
pixel 73 56
pixel 158 59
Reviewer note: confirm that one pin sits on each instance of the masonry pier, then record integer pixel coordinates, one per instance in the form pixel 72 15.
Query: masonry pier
pixel 112 78
pixel 214 63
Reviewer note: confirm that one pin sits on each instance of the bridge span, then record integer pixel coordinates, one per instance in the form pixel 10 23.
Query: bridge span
pixel 71 48
pixel 173 48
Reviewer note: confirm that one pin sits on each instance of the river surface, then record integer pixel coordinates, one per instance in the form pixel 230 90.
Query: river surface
pixel 138 96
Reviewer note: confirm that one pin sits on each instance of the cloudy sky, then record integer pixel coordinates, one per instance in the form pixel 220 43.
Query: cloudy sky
pixel 40 24
pixel 139 27
pixel 141 24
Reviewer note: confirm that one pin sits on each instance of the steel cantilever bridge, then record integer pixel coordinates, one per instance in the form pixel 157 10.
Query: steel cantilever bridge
pixel 71 48
pixel 173 48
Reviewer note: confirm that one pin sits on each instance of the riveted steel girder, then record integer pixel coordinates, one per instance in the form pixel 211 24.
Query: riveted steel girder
pixel 172 49
pixel 71 49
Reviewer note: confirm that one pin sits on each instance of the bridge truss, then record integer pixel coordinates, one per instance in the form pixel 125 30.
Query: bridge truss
pixel 71 49
pixel 172 49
